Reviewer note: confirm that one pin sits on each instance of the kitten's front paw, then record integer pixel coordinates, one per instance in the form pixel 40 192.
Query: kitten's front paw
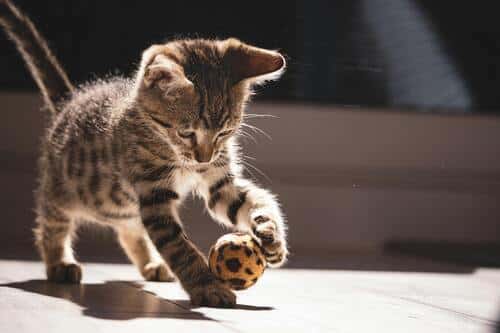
pixel 157 271
pixel 64 273
pixel 273 243
pixel 214 294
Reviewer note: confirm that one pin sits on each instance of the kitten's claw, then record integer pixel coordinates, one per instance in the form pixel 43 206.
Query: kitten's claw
pixel 160 272
pixel 64 273
pixel 273 243
pixel 215 294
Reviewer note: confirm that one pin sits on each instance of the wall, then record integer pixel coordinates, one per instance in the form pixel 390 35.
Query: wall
pixel 347 178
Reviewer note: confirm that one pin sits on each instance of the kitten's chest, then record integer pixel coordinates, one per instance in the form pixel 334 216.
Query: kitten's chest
pixel 185 181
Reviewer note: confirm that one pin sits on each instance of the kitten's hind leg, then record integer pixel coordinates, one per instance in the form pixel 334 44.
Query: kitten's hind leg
pixel 141 251
pixel 54 235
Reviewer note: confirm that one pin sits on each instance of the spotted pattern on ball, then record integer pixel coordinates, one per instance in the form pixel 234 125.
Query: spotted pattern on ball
pixel 237 260
pixel 233 265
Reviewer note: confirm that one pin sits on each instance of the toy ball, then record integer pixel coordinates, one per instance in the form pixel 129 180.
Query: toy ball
pixel 237 260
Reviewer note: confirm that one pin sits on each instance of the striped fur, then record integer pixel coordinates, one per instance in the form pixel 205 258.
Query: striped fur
pixel 126 152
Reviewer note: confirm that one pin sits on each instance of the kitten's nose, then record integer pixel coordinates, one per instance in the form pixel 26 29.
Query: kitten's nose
pixel 203 153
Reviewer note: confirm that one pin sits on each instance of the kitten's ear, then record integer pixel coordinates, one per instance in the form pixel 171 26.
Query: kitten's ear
pixel 250 62
pixel 160 70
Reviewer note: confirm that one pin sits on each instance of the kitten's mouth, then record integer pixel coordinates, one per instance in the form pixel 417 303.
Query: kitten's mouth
pixel 188 159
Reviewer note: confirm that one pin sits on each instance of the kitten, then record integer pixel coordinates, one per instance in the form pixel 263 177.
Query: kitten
pixel 125 152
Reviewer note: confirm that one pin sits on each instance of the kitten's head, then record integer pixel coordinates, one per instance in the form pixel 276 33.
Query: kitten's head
pixel 194 91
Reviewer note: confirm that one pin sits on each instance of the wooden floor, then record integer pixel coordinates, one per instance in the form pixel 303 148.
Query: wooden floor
pixel 113 298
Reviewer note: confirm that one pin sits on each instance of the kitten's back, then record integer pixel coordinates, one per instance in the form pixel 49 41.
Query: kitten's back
pixel 91 110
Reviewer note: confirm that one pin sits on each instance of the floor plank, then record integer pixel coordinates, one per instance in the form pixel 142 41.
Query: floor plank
pixel 114 298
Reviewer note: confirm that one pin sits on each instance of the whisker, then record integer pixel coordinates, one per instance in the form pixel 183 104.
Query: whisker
pixel 256 115
pixel 258 130
pixel 252 175
pixel 246 163
pixel 246 135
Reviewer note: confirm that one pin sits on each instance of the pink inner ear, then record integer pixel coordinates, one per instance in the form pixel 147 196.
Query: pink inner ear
pixel 247 62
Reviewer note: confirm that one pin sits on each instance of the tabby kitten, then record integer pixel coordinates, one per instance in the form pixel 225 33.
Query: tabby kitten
pixel 125 152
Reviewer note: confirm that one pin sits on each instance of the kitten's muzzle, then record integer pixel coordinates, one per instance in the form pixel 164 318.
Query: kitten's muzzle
pixel 204 153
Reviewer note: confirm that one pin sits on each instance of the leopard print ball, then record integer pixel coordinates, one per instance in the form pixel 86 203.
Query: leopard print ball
pixel 237 260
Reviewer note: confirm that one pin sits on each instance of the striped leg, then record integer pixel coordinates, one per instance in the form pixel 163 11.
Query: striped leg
pixel 142 252
pixel 239 203
pixel 159 216
pixel 53 239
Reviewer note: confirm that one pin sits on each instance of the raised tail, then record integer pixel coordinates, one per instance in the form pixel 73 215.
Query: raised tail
pixel 43 65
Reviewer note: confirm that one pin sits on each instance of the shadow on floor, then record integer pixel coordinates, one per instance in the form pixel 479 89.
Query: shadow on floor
pixel 117 300
pixel 185 304
pixel 110 300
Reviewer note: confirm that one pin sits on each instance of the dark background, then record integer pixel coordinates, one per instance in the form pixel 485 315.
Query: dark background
pixel 418 54
pixel 354 182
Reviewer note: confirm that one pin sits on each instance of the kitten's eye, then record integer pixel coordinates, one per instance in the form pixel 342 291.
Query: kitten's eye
pixel 186 134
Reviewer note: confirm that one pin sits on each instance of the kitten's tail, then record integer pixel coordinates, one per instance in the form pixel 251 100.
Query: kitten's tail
pixel 43 65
